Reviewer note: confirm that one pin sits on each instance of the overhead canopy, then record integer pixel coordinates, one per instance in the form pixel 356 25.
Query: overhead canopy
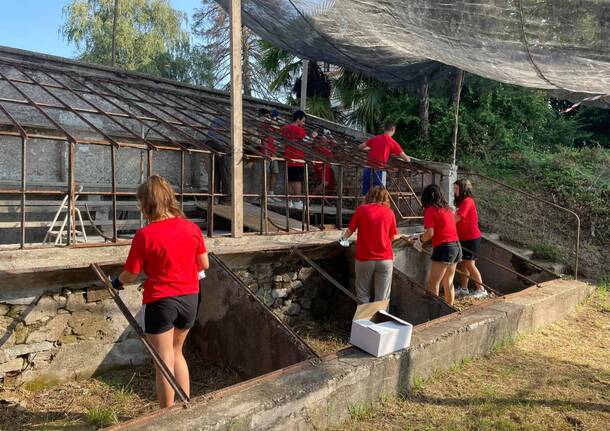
pixel 552 44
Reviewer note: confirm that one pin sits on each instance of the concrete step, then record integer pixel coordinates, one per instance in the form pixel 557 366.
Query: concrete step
pixel 556 267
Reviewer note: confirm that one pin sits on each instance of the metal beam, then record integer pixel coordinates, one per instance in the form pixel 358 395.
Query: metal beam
pixel 237 173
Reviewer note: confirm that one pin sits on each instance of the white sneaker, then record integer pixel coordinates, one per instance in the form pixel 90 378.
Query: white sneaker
pixel 297 205
pixel 461 292
pixel 480 294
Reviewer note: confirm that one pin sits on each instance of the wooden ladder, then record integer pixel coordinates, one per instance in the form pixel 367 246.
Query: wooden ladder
pixel 59 234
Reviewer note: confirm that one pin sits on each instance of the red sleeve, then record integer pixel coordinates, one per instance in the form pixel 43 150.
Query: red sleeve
pixel 200 242
pixel 368 142
pixel 429 218
pixel 135 259
pixel 393 229
pixel 464 208
pixel 302 133
pixel 355 221
pixel 396 148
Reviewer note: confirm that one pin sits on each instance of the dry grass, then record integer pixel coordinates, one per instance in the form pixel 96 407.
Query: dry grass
pixel 555 379
pixel 323 337
pixel 465 302
pixel 88 404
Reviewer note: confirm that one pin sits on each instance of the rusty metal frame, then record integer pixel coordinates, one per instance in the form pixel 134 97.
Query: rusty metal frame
pixel 178 116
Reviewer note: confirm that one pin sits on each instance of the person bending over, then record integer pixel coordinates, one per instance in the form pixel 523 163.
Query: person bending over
pixel 379 149
pixel 171 252
pixel 439 225
pixel 467 221
pixel 376 226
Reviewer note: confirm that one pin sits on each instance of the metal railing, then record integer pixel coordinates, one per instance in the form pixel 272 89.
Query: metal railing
pixel 530 197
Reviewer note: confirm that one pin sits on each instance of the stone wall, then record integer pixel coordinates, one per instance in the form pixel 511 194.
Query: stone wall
pixel 289 290
pixel 66 334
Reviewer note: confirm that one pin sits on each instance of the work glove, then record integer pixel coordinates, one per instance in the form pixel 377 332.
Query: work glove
pixel 201 274
pixel 416 243
pixel 116 284
pixel 344 242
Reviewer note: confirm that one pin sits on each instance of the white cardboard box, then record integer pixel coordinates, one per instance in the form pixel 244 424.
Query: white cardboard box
pixel 377 332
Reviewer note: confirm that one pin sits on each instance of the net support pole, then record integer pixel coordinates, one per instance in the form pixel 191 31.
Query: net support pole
pixel 304 76
pixel 114 18
pixel 459 79
pixel 237 201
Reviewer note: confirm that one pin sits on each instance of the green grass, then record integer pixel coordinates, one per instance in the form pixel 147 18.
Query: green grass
pixel 101 417
pixel 546 252
pixel 604 283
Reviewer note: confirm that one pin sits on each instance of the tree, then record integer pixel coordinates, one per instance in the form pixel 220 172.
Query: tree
pixel 211 24
pixel 150 37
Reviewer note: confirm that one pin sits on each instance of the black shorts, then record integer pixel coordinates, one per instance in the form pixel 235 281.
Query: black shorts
pixel 447 253
pixel 296 173
pixel 470 248
pixel 172 312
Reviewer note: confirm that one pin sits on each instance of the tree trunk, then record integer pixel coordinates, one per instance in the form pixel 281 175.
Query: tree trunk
pixel 424 105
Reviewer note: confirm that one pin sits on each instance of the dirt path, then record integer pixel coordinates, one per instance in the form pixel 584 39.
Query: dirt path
pixel 555 379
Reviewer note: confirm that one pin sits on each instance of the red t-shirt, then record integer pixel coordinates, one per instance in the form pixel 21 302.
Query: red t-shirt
pixel 381 147
pixel 468 226
pixel 376 226
pixel 166 251
pixel 265 129
pixel 323 170
pixel 442 220
pixel 293 133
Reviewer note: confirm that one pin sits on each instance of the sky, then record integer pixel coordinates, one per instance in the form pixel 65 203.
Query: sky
pixel 34 24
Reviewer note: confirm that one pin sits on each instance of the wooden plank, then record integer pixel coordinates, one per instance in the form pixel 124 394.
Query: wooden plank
pixel 252 218
pixel 14 207
pixel 46 224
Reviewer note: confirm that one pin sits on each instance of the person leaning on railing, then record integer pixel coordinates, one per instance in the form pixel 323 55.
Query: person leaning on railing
pixel 467 220
pixel 376 226
pixel 439 225
pixel 379 149
pixel 171 252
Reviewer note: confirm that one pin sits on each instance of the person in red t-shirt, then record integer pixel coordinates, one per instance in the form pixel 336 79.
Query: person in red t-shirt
pixel 295 133
pixel 379 149
pixel 376 226
pixel 439 225
pixel 171 252
pixel 467 221
pixel 266 128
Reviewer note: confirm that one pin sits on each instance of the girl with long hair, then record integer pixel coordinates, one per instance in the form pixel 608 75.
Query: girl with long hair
pixel 439 225
pixel 171 252
pixel 467 221
pixel 376 226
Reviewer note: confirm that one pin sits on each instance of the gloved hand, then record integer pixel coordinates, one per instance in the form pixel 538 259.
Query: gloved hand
pixel 116 283
pixel 416 243
pixel 201 274
pixel 344 242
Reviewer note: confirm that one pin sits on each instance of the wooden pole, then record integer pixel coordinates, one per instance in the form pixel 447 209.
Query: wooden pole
pixel 304 76
pixel 237 174
pixel 456 100
pixel 116 8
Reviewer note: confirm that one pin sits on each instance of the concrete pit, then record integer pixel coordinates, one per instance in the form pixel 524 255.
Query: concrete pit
pixel 265 313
